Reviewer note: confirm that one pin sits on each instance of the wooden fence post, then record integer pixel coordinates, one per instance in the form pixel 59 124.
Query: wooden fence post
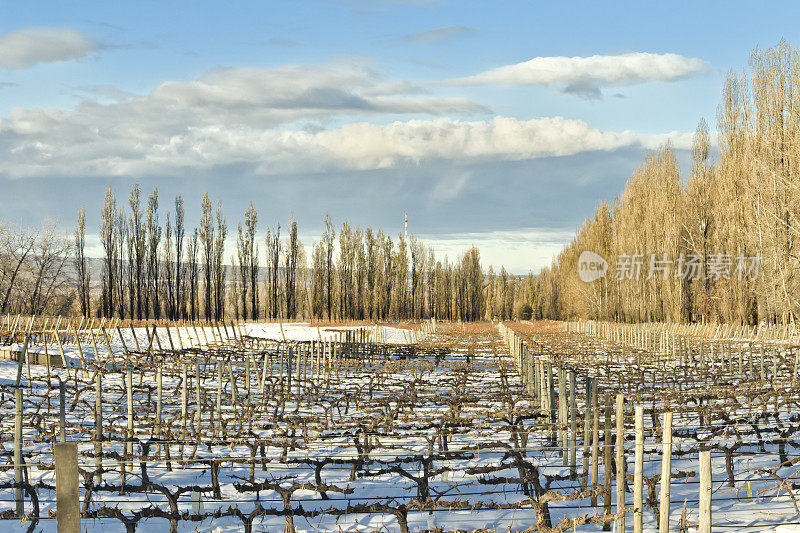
pixel 562 415
pixel 20 502
pixel 607 456
pixel 587 429
pixel 705 492
pixel 62 411
pixel 129 432
pixel 595 443
pixel 159 406
pixel 68 517
pixel 573 426
pixel 620 415
pixel 638 474
pixel 666 474
pixel 98 427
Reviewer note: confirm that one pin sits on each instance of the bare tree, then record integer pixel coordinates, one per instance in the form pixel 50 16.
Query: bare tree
pixel 108 236
pixel 318 271
pixel 137 234
pixel 251 227
pixel 152 302
pixel 48 263
pixel 328 238
pixel 168 270
pixel 206 235
pixel 81 266
pixel 273 268
pixel 219 267
pixel 243 272
pixel 193 275
pixel 180 233
pixel 290 269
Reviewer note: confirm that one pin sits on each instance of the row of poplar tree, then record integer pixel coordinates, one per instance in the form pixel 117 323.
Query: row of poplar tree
pixel 153 270
pixel 744 205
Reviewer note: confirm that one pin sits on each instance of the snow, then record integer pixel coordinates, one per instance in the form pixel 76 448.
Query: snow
pixel 322 421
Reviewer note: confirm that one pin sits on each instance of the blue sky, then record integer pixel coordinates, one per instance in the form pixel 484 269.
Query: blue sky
pixel 498 123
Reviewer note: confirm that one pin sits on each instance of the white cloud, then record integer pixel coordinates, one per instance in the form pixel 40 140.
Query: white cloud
pixel 519 251
pixel 131 139
pixel 277 120
pixel 24 48
pixel 585 75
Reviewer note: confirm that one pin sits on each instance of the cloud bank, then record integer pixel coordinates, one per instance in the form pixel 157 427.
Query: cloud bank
pixel 82 143
pixel 283 120
pixel 28 47
pixel 585 75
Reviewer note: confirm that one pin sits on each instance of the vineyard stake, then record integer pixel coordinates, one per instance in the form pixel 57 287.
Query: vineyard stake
pixel 638 474
pixel 620 415
pixel 595 485
pixel 68 516
pixel 573 428
pixel 705 492
pixel 20 503
pixel 98 430
pixel 666 474
pixel 607 456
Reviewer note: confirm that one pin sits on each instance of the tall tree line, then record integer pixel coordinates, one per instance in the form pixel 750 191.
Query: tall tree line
pixel 149 269
pixel 728 233
pixel 152 270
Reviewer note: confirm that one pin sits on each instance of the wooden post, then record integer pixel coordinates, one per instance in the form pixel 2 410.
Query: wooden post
pixel 595 443
pixel 129 436
pixel 68 517
pixel 705 492
pixel 198 412
pixel 169 337
pixel 666 474
pixel 159 405
pixel 61 348
pixel 135 338
pixel 289 371
pixel 80 350
pixel 157 338
pixel 638 474
pixel 20 502
pixel 573 428
pixel 562 415
pixel 587 429
pixel 98 428
pixel 607 455
pixel 298 369
pixel 220 370
pixel 62 411
pixel 234 389
pixel 551 395
pixel 620 463
pixel 184 406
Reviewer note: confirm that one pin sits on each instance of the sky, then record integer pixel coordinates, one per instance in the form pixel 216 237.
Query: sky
pixel 498 124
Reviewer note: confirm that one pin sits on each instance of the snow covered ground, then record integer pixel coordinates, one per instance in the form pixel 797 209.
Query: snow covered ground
pixel 301 331
pixel 342 440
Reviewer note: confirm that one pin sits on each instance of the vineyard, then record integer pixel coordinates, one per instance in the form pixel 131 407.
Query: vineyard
pixel 543 426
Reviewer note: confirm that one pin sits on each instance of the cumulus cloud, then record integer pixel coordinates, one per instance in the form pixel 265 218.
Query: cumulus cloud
pixel 584 76
pixel 141 138
pixel 437 35
pixel 265 97
pixel 24 48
